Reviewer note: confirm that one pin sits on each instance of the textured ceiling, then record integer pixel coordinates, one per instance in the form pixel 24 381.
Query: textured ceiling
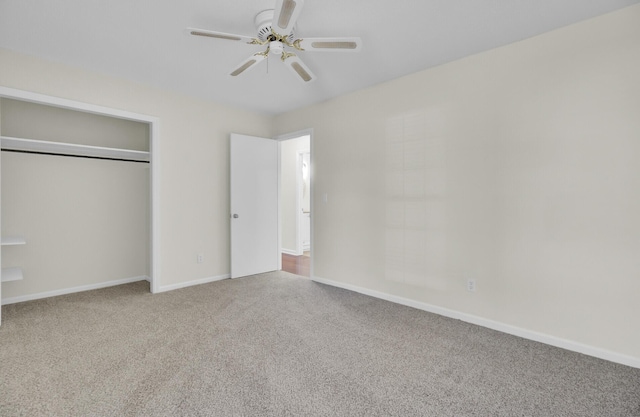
pixel 145 41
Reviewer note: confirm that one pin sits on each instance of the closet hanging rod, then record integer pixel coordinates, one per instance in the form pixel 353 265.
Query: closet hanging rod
pixel 75 156
pixel 43 147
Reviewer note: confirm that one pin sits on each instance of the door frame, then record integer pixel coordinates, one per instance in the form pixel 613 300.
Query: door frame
pixel 154 159
pixel 280 139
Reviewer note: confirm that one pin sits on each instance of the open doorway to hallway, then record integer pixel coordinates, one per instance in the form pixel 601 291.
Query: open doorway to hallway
pixel 295 204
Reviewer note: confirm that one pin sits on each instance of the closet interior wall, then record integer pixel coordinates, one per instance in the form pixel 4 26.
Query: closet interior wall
pixel 86 222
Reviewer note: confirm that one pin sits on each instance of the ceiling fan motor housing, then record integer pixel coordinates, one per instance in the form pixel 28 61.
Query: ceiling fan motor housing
pixel 263 25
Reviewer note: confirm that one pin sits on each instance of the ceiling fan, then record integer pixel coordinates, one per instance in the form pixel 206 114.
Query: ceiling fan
pixel 276 30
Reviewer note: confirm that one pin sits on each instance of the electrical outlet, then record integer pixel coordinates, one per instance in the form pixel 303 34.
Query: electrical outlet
pixel 199 258
pixel 471 285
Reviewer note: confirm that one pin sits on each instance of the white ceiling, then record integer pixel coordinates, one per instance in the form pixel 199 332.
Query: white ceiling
pixel 144 40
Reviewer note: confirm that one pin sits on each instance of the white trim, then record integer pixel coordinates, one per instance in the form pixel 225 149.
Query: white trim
pixel 154 157
pixel 312 181
pixel 64 291
pixel 172 287
pixel 494 325
pixel 288 252
pixel 73 105
pixel 280 206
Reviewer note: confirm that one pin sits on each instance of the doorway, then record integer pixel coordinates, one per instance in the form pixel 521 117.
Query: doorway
pixel 295 203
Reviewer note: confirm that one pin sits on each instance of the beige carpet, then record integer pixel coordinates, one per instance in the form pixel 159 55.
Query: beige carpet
pixel 278 345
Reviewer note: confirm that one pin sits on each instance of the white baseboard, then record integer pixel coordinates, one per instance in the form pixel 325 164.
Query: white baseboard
pixel 172 287
pixel 47 294
pixel 494 325
pixel 289 252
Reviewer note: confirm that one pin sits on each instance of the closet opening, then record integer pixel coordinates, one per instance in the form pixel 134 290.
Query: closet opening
pixel 79 196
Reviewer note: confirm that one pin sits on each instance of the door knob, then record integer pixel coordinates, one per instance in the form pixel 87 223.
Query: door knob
pixel 235 216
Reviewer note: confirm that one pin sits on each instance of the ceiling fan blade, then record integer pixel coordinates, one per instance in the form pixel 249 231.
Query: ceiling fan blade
pixel 299 68
pixel 285 15
pixel 219 35
pixel 329 44
pixel 248 63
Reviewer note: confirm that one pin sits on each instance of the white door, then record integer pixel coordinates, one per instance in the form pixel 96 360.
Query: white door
pixel 254 205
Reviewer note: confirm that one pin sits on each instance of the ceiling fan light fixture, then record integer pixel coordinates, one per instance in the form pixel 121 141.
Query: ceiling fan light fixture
pixel 276 47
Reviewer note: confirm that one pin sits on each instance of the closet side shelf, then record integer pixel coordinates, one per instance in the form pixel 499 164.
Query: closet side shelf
pixel 11 274
pixel 13 240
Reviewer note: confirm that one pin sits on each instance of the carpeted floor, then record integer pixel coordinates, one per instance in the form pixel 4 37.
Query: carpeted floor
pixel 278 345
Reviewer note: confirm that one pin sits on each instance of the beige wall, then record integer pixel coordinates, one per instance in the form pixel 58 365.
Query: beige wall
pixel 517 167
pixel 288 182
pixel 85 221
pixel 194 149
pixel 63 125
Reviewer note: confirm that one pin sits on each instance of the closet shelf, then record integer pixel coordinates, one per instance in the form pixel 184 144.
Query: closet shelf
pixel 14 273
pixel 60 148
pixel 13 240
pixel 11 274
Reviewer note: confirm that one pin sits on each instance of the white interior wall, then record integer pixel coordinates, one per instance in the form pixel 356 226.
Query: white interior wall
pixel 288 182
pixel 517 167
pixel 193 156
